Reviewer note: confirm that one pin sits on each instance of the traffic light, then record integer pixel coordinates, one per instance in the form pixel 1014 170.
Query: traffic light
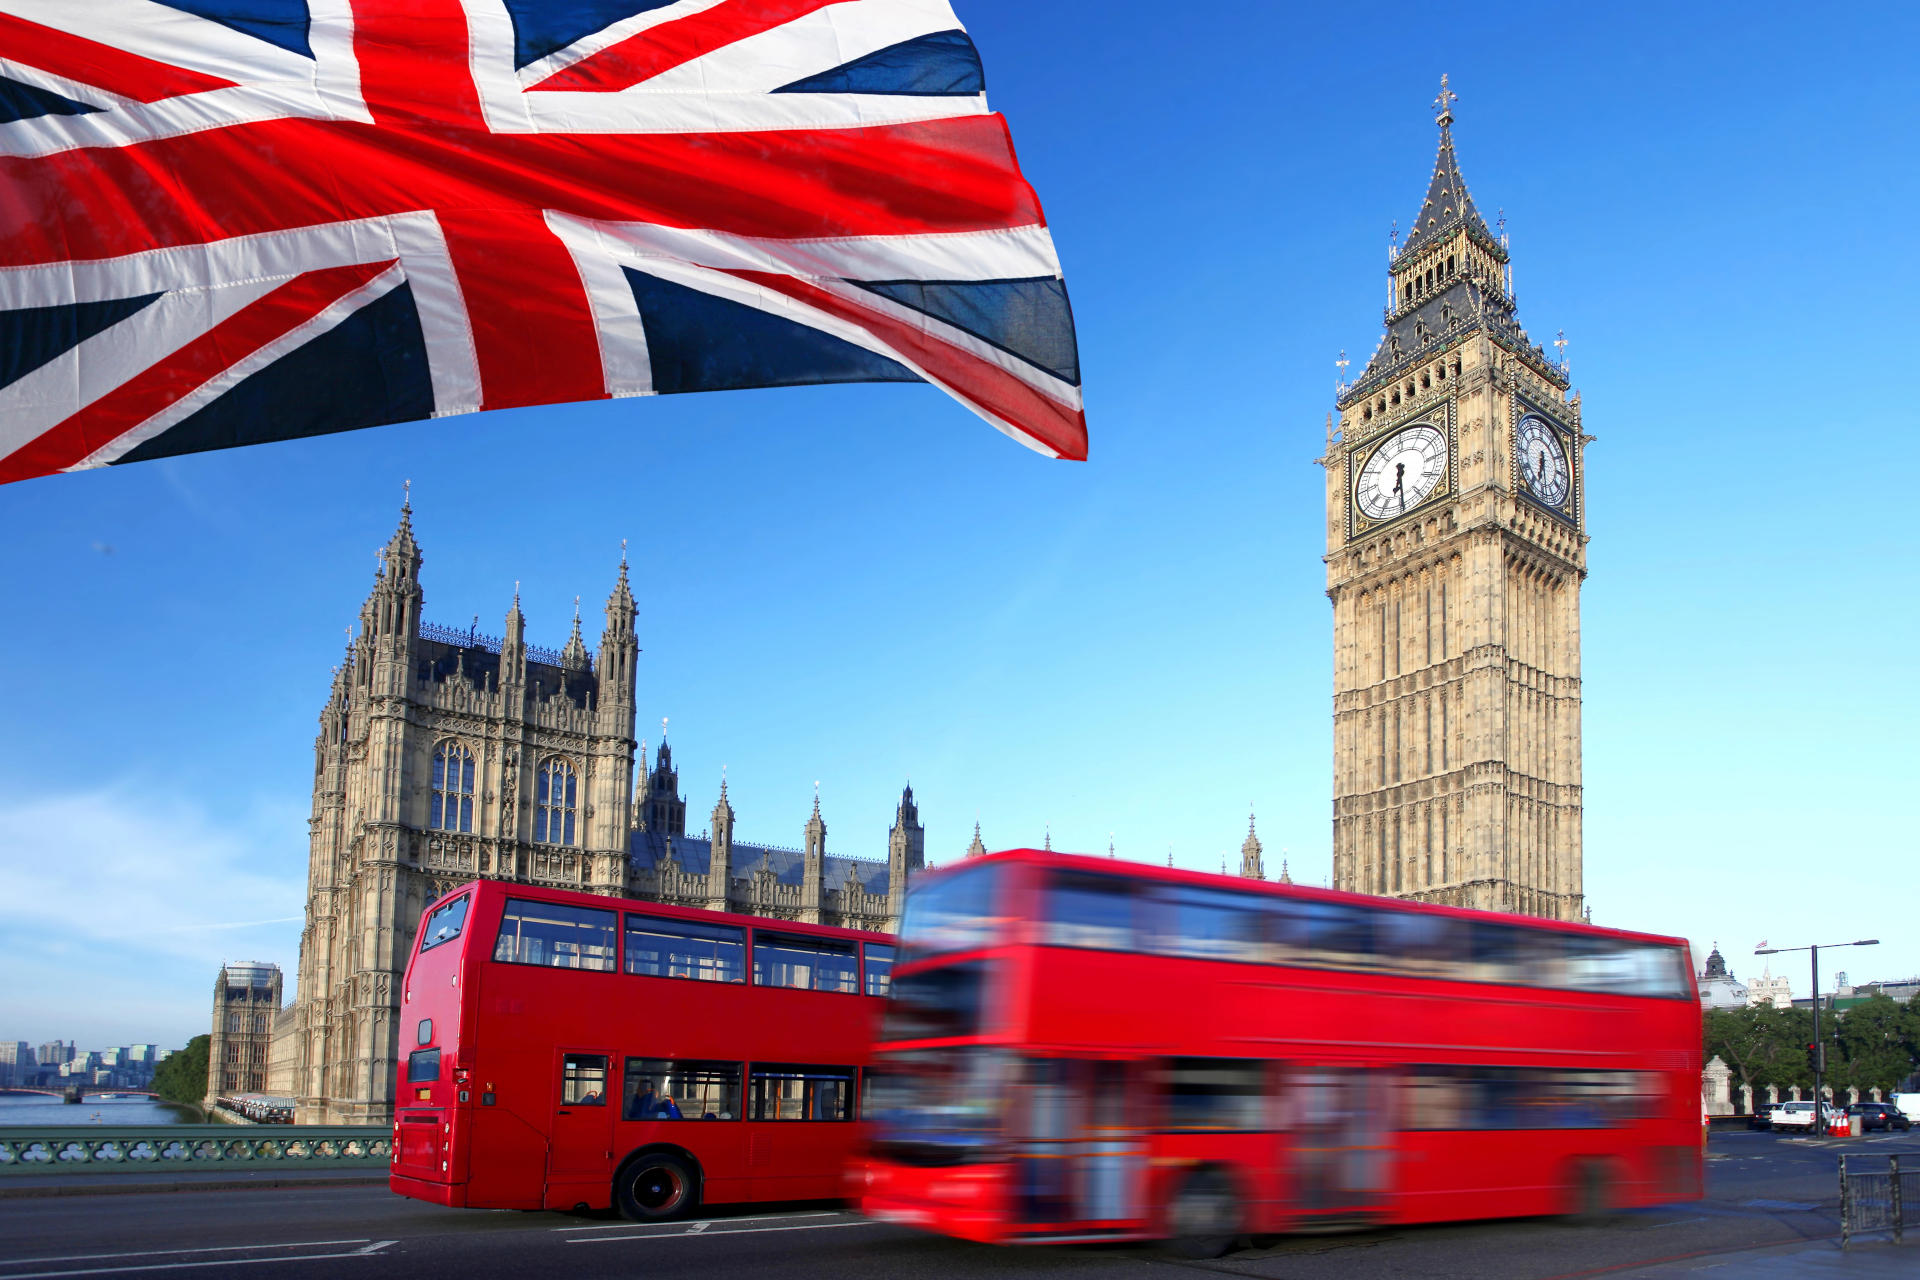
pixel 1817 1055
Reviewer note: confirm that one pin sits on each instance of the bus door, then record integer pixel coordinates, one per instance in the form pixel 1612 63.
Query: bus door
pixel 580 1141
pixel 1339 1123
pixel 1079 1149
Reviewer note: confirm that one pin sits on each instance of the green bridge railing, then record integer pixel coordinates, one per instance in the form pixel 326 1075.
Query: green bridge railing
pixel 95 1148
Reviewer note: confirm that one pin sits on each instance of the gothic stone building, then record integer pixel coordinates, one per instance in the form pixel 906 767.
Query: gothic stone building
pixel 1456 546
pixel 445 755
pixel 246 999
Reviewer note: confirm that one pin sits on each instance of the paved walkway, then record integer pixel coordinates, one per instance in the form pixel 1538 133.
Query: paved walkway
pixel 1873 1259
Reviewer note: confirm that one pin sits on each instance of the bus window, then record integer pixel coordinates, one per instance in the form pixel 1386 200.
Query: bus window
pixel 1091 911
pixel 815 964
pixel 1338 935
pixel 1499 953
pixel 423 1066
pixel 583 1080
pixel 934 1004
pixel 879 968
pixel 445 923
pixel 1209 925
pixel 660 948
pixel 783 1091
pixel 666 1089
pixel 956 912
pixel 1417 942
pixel 1213 1095
pixel 559 937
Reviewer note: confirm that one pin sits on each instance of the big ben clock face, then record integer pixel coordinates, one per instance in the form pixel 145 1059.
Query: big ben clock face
pixel 1543 461
pixel 1401 473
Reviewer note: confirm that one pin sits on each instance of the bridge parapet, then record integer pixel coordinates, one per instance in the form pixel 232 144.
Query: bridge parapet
pixel 97 1148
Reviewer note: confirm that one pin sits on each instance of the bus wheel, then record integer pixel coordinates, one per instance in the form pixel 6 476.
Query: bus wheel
pixel 1202 1221
pixel 655 1187
pixel 1590 1195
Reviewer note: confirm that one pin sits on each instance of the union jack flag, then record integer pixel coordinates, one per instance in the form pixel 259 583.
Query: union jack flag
pixel 232 221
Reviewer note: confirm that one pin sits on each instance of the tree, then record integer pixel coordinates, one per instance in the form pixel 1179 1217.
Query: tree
pixel 1874 1044
pixel 183 1076
pixel 1763 1045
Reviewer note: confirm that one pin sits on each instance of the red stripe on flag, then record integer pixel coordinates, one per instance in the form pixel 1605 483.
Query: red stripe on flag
pixel 666 46
pixel 414 66
pixel 532 328
pixel 907 179
pixel 977 382
pixel 164 384
pixel 89 62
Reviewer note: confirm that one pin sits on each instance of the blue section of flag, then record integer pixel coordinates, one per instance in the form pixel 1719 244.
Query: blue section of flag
pixel 698 342
pixel 31 336
pixel 280 22
pixel 368 370
pixel 1027 317
pixel 541 27
pixel 942 64
pixel 20 101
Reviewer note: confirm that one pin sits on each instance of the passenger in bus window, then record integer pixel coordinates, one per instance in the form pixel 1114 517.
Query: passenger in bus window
pixel 642 1104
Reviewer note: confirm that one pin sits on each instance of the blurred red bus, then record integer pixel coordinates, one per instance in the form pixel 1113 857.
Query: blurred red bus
pixel 564 1050
pixel 1080 1049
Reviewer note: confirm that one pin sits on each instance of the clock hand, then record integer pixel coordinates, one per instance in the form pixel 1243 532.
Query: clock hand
pixel 1399 476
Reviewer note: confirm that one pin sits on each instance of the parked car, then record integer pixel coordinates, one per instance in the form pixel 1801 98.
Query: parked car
pixel 1798 1117
pixel 1879 1115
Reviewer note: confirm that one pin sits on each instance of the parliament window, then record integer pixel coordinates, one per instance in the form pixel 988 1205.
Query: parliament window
pixel 451 807
pixel 554 803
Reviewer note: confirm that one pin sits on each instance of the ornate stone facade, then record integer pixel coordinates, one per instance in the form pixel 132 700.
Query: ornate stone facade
pixel 445 755
pixel 246 1000
pixel 1456 547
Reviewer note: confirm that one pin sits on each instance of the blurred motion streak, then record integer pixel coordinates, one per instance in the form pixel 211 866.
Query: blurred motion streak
pixel 1072 1051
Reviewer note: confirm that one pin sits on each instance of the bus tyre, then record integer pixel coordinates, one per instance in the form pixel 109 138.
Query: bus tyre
pixel 1590 1195
pixel 1203 1221
pixel 655 1187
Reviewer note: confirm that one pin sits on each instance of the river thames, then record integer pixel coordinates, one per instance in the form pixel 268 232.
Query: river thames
pixel 34 1109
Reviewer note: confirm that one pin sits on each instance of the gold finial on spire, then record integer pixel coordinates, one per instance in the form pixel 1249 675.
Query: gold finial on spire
pixel 576 611
pixel 406 501
pixel 1443 105
pixel 623 551
pixel 1560 341
pixel 663 728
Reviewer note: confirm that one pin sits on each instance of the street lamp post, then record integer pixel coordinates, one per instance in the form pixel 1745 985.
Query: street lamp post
pixel 1819 1047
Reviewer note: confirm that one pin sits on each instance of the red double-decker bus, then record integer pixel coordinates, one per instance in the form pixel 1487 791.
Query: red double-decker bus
pixel 1080 1049
pixel 562 1050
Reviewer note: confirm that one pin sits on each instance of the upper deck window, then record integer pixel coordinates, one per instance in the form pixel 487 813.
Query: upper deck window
pixel 445 922
pixel 933 1004
pixel 879 968
pixel 561 937
pixel 684 949
pixel 1209 924
pixel 955 912
pixel 813 964
pixel 1093 911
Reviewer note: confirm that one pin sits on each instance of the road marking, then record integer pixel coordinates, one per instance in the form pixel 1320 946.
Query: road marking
pixel 642 1226
pixel 714 1235
pixel 697 1228
pixel 208 1262
pixel 164 1253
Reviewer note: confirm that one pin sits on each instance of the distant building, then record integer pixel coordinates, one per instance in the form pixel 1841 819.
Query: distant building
pixel 1767 989
pixel 54 1054
pixel 1719 989
pixel 16 1063
pixel 245 999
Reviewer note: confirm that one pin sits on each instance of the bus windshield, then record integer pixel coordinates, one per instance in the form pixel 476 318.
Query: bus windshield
pixel 938 1106
pixel 957 912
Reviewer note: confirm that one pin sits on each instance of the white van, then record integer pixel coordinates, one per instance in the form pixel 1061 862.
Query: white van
pixel 1909 1104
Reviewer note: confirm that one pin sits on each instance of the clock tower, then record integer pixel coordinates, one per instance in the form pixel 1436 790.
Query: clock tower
pixel 1456 546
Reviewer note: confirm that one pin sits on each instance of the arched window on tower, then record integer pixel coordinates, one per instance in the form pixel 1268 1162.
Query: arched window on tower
pixel 451 808
pixel 554 803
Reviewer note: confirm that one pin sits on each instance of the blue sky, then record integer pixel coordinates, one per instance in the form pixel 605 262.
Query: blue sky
pixel 863 585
